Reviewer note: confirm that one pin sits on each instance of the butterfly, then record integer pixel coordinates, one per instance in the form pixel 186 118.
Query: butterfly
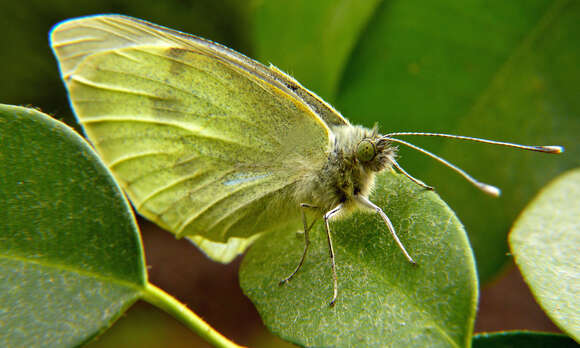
pixel 216 147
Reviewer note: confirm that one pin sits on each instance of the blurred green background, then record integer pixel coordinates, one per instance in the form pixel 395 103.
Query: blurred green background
pixel 496 69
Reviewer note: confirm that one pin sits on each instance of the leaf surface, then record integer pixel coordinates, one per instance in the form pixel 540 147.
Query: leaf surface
pixel 383 300
pixel 71 259
pixel 314 40
pixel 545 242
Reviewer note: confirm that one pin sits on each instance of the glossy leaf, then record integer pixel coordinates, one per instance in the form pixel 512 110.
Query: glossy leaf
pixel 315 39
pixel 545 242
pixel 383 300
pixel 531 99
pixel 497 69
pixel 517 339
pixel 71 260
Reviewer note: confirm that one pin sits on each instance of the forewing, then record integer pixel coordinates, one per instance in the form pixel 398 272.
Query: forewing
pixel 329 114
pixel 205 147
pixel 79 38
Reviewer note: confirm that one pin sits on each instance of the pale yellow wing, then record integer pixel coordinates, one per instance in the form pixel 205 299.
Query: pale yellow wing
pixel 205 143
pixel 79 38
pixel 324 110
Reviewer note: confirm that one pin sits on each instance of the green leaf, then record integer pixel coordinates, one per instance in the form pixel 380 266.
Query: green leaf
pixel 71 260
pixel 517 339
pixel 319 43
pixel 499 69
pixel 532 98
pixel 544 242
pixel 383 300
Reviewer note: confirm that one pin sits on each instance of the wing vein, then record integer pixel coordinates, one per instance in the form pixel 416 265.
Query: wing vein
pixel 267 90
pixel 245 204
pixel 135 156
pixel 193 132
pixel 159 170
pixel 211 182
pixel 215 202
pixel 174 183
pixel 78 40
pixel 112 88
pixel 172 86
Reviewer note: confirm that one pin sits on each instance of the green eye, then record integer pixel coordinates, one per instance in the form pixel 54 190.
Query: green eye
pixel 366 150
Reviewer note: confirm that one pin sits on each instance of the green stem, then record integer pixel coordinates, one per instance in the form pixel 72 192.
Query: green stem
pixel 178 310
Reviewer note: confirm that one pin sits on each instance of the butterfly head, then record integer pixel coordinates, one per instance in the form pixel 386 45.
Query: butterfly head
pixel 375 153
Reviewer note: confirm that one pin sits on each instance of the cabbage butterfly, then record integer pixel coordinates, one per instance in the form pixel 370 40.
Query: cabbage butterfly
pixel 216 147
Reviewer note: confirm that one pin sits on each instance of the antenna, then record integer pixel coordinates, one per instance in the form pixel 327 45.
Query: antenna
pixel 490 190
pixel 545 149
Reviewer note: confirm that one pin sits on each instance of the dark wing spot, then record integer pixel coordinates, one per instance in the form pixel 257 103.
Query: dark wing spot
pixel 176 68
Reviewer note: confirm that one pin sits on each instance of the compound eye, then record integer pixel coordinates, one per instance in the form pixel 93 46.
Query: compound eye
pixel 366 151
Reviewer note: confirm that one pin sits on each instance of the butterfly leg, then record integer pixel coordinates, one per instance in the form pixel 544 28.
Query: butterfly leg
pixel 327 216
pixel 365 202
pixel 307 228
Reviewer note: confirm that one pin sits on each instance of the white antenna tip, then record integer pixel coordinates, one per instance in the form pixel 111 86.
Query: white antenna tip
pixel 554 149
pixel 490 190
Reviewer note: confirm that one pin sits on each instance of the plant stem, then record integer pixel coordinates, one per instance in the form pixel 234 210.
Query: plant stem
pixel 178 310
